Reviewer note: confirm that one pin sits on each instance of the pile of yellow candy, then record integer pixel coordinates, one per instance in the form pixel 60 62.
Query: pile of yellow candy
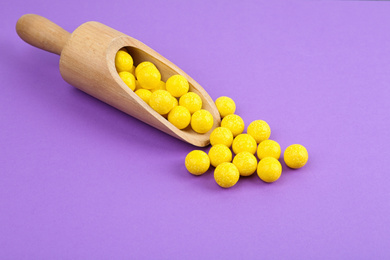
pixel 245 146
pixel 170 99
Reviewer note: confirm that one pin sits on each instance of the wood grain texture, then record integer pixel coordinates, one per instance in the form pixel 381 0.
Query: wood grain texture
pixel 88 62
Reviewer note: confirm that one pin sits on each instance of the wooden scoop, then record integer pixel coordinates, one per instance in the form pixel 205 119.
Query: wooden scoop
pixel 87 61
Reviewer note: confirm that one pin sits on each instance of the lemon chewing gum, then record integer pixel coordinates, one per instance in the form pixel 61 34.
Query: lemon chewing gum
pixel 87 61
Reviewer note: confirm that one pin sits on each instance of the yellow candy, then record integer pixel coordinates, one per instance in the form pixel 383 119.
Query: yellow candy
pixel 234 123
pixel 197 162
pixel 161 86
pixel 144 94
pixel 269 169
pixel 202 121
pixel 221 135
pixel 260 130
pixel 132 71
pixel 137 85
pixel 268 148
pixel 175 102
pixel 149 77
pixel 296 156
pixel 192 101
pixel 128 78
pixel 141 66
pixel 218 154
pixel 225 106
pixel 123 61
pixel 177 85
pixel 161 101
pixel 226 175
pixel 244 143
pixel 180 117
pixel 246 163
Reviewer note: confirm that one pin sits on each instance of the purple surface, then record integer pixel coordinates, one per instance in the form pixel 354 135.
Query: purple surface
pixel 81 180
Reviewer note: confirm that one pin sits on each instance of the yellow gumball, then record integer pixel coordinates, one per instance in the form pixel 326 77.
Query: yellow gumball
pixel 141 66
pixel 128 78
pixel 123 61
pixel 226 175
pixel 197 162
pixel 161 86
pixel 260 130
pixel 269 169
pixel 225 106
pixel 234 123
pixel 161 101
pixel 246 163
pixel 218 154
pixel 296 156
pixel 149 77
pixel 144 94
pixel 192 101
pixel 268 148
pixel 180 117
pixel 244 143
pixel 221 135
pixel 202 121
pixel 177 85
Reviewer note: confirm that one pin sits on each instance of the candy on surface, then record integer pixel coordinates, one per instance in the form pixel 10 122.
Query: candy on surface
pixel 192 101
pixel 225 106
pixel 197 162
pixel 221 135
pixel 260 130
pixel 296 156
pixel 180 117
pixel 123 61
pixel 268 148
pixel 219 154
pixel 246 163
pixel 269 169
pixel 234 123
pixel 161 86
pixel 128 78
pixel 226 175
pixel 141 66
pixel 244 143
pixel 177 85
pixel 144 94
pixel 161 101
pixel 202 121
pixel 149 77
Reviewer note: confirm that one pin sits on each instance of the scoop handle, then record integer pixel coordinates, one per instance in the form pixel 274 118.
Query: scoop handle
pixel 42 33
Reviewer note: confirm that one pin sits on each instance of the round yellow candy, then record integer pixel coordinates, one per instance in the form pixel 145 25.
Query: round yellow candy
pixel 123 61
pixel 244 143
pixel 221 135
pixel 192 101
pixel 197 162
pixel 175 102
pixel 149 77
pixel 202 121
pixel 141 66
pixel 161 101
pixel 226 175
pixel 177 85
pixel 128 78
pixel 296 156
pixel 246 163
pixel 268 148
pixel 180 117
pixel 132 71
pixel 219 153
pixel 161 86
pixel 260 130
pixel 144 94
pixel 269 169
pixel 225 106
pixel 234 123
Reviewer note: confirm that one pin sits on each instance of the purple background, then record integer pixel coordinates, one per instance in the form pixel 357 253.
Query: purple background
pixel 82 180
